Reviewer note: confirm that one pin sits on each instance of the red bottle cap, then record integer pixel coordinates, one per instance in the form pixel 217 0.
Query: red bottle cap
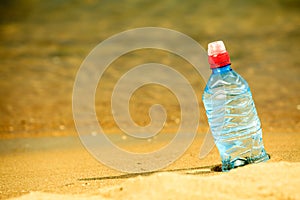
pixel 217 55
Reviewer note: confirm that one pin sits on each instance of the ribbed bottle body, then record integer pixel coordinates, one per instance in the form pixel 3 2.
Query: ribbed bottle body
pixel 233 119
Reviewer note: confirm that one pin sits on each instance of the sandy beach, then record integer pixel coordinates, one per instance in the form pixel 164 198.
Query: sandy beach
pixel 43 44
pixel 191 187
pixel 60 167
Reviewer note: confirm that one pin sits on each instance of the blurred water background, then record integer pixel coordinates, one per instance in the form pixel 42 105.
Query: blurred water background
pixel 43 43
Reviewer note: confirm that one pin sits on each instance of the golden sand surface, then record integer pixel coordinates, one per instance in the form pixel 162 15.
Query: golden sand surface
pixel 63 166
pixel 254 182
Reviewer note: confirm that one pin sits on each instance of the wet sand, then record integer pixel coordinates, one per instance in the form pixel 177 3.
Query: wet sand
pixel 42 45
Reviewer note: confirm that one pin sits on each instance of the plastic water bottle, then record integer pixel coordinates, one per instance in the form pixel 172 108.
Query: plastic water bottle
pixel 231 113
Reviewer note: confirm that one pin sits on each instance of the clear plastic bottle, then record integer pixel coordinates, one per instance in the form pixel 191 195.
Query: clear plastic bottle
pixel 231 113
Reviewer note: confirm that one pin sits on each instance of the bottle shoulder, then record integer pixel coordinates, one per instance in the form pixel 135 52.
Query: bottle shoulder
pixel 228 81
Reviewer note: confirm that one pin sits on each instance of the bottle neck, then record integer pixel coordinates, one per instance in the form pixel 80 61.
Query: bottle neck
pixel 223 69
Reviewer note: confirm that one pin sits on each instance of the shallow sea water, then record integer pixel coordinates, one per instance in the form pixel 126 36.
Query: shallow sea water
pixel 42 45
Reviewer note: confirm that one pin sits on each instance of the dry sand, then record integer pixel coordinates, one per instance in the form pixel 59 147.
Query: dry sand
pixel 62 168
pixel 262 181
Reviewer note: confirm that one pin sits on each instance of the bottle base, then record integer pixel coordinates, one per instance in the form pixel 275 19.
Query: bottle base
pixel 239 162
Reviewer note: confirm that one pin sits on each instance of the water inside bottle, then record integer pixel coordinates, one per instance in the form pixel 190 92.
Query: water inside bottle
pixel 233 120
